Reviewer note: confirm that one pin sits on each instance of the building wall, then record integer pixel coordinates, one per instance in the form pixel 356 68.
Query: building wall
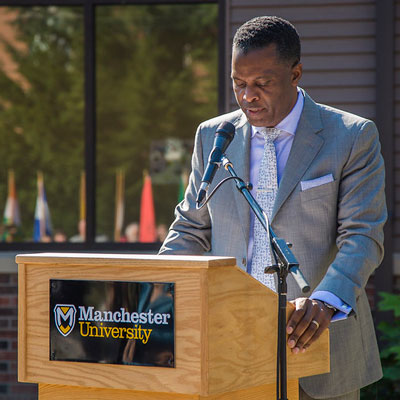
pixel 338 47
pixel 10 389
pixel 396 229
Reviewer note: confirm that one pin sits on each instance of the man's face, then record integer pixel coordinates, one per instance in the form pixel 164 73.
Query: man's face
pixel 265 87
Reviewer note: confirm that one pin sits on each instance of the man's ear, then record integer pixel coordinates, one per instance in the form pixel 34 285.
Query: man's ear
pixel 297 72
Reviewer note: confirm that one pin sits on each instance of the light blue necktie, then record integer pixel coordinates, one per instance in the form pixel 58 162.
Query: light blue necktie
pixel 267 189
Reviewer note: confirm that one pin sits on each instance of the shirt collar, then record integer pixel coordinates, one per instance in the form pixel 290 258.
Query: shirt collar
pixel 290 122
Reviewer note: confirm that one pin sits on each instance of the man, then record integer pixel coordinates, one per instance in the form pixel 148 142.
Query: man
pixel 329 204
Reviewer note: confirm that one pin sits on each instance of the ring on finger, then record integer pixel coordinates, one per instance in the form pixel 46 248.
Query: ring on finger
pixel 315 322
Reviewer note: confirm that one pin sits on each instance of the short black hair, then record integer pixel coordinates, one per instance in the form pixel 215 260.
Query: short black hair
pixel 260 32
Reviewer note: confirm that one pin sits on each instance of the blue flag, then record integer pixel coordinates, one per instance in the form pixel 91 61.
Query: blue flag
pixel 42 226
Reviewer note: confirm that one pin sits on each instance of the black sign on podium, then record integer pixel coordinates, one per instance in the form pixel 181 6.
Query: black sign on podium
pixel 112 322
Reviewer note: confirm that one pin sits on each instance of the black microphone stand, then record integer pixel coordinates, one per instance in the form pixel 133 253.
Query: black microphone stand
pixel 286 263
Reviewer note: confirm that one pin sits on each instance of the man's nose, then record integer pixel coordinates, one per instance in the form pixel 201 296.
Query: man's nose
pixel 250 94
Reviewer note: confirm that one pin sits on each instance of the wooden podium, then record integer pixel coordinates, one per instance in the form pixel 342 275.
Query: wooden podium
pixel 225 332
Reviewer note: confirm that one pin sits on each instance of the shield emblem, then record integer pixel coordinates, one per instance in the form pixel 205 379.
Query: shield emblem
pixel 64 318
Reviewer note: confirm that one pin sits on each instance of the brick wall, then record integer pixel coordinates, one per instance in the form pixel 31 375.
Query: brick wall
pixel 10 389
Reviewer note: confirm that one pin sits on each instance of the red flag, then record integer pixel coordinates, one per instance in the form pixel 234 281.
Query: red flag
pixel 147 226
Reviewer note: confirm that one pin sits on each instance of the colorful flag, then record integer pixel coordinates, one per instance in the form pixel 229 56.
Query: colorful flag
pixel 147 226
pixel 42 225
pixel 183 182
pixel 12 218
pixel 119 204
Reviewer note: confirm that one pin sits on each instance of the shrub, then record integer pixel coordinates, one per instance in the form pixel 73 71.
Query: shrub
pixel 389 386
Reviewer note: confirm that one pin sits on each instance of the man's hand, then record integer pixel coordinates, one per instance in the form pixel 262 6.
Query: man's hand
pixel 307 323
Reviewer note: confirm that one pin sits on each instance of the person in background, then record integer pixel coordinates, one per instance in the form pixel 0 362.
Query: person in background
pixel 81 236
pixel 60 237
pixel 132 232
pixel 162 232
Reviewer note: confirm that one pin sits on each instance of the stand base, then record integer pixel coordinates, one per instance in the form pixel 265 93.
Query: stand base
pixel 61 392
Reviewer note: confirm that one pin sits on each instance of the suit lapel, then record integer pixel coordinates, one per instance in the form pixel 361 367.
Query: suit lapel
pixel 239 155
pixel 306 145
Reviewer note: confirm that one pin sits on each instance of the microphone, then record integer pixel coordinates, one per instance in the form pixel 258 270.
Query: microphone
pixel 223 137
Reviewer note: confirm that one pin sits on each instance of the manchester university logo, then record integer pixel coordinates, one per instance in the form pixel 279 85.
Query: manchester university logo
pixel 65 318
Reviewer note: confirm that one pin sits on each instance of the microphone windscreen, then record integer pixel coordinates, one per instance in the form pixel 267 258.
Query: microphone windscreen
pixel 226 128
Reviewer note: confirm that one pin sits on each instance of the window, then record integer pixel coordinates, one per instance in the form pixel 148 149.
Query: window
pixel 42 115
pixel 94 99
pixel 156 80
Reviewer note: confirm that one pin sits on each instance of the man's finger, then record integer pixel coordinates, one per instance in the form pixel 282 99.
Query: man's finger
pixel 302 337
pixel 307 336
pixel 324 319
pixel 296 316
pixel 304 329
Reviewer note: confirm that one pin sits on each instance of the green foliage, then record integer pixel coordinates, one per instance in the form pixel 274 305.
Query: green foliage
pixel 390 302
pixel 41 125
pixel 156 78
pixel 389 385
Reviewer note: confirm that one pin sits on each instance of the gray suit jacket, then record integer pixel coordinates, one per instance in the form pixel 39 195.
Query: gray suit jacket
pixel 336 228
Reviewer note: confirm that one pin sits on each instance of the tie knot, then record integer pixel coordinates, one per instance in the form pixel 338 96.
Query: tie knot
pixel 270 134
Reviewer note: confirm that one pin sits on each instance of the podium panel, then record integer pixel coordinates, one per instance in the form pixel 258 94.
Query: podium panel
pixel 225 331
pixel 59 392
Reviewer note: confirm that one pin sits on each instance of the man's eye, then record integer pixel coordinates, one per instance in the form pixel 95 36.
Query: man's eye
pixel 240 85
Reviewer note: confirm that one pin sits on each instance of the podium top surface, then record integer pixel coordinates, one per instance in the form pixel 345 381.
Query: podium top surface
pixel 125 259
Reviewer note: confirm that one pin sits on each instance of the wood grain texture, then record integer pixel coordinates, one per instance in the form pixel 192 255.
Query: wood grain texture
pixel 125 260
pixel 60 392
pixel 243 335
pixel 185 378
pixel 204 365
pixel 264 392
pixel 241 350
pixel 225 332
pixel 22 337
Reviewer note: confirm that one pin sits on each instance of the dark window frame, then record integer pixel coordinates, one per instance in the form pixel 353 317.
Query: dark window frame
pixel 90 117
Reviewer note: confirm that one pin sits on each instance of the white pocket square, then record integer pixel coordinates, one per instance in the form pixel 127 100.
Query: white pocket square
pixel 316 182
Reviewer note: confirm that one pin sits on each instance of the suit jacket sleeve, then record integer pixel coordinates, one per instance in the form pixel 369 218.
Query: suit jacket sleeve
pixel 361 214
pixel 190 233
